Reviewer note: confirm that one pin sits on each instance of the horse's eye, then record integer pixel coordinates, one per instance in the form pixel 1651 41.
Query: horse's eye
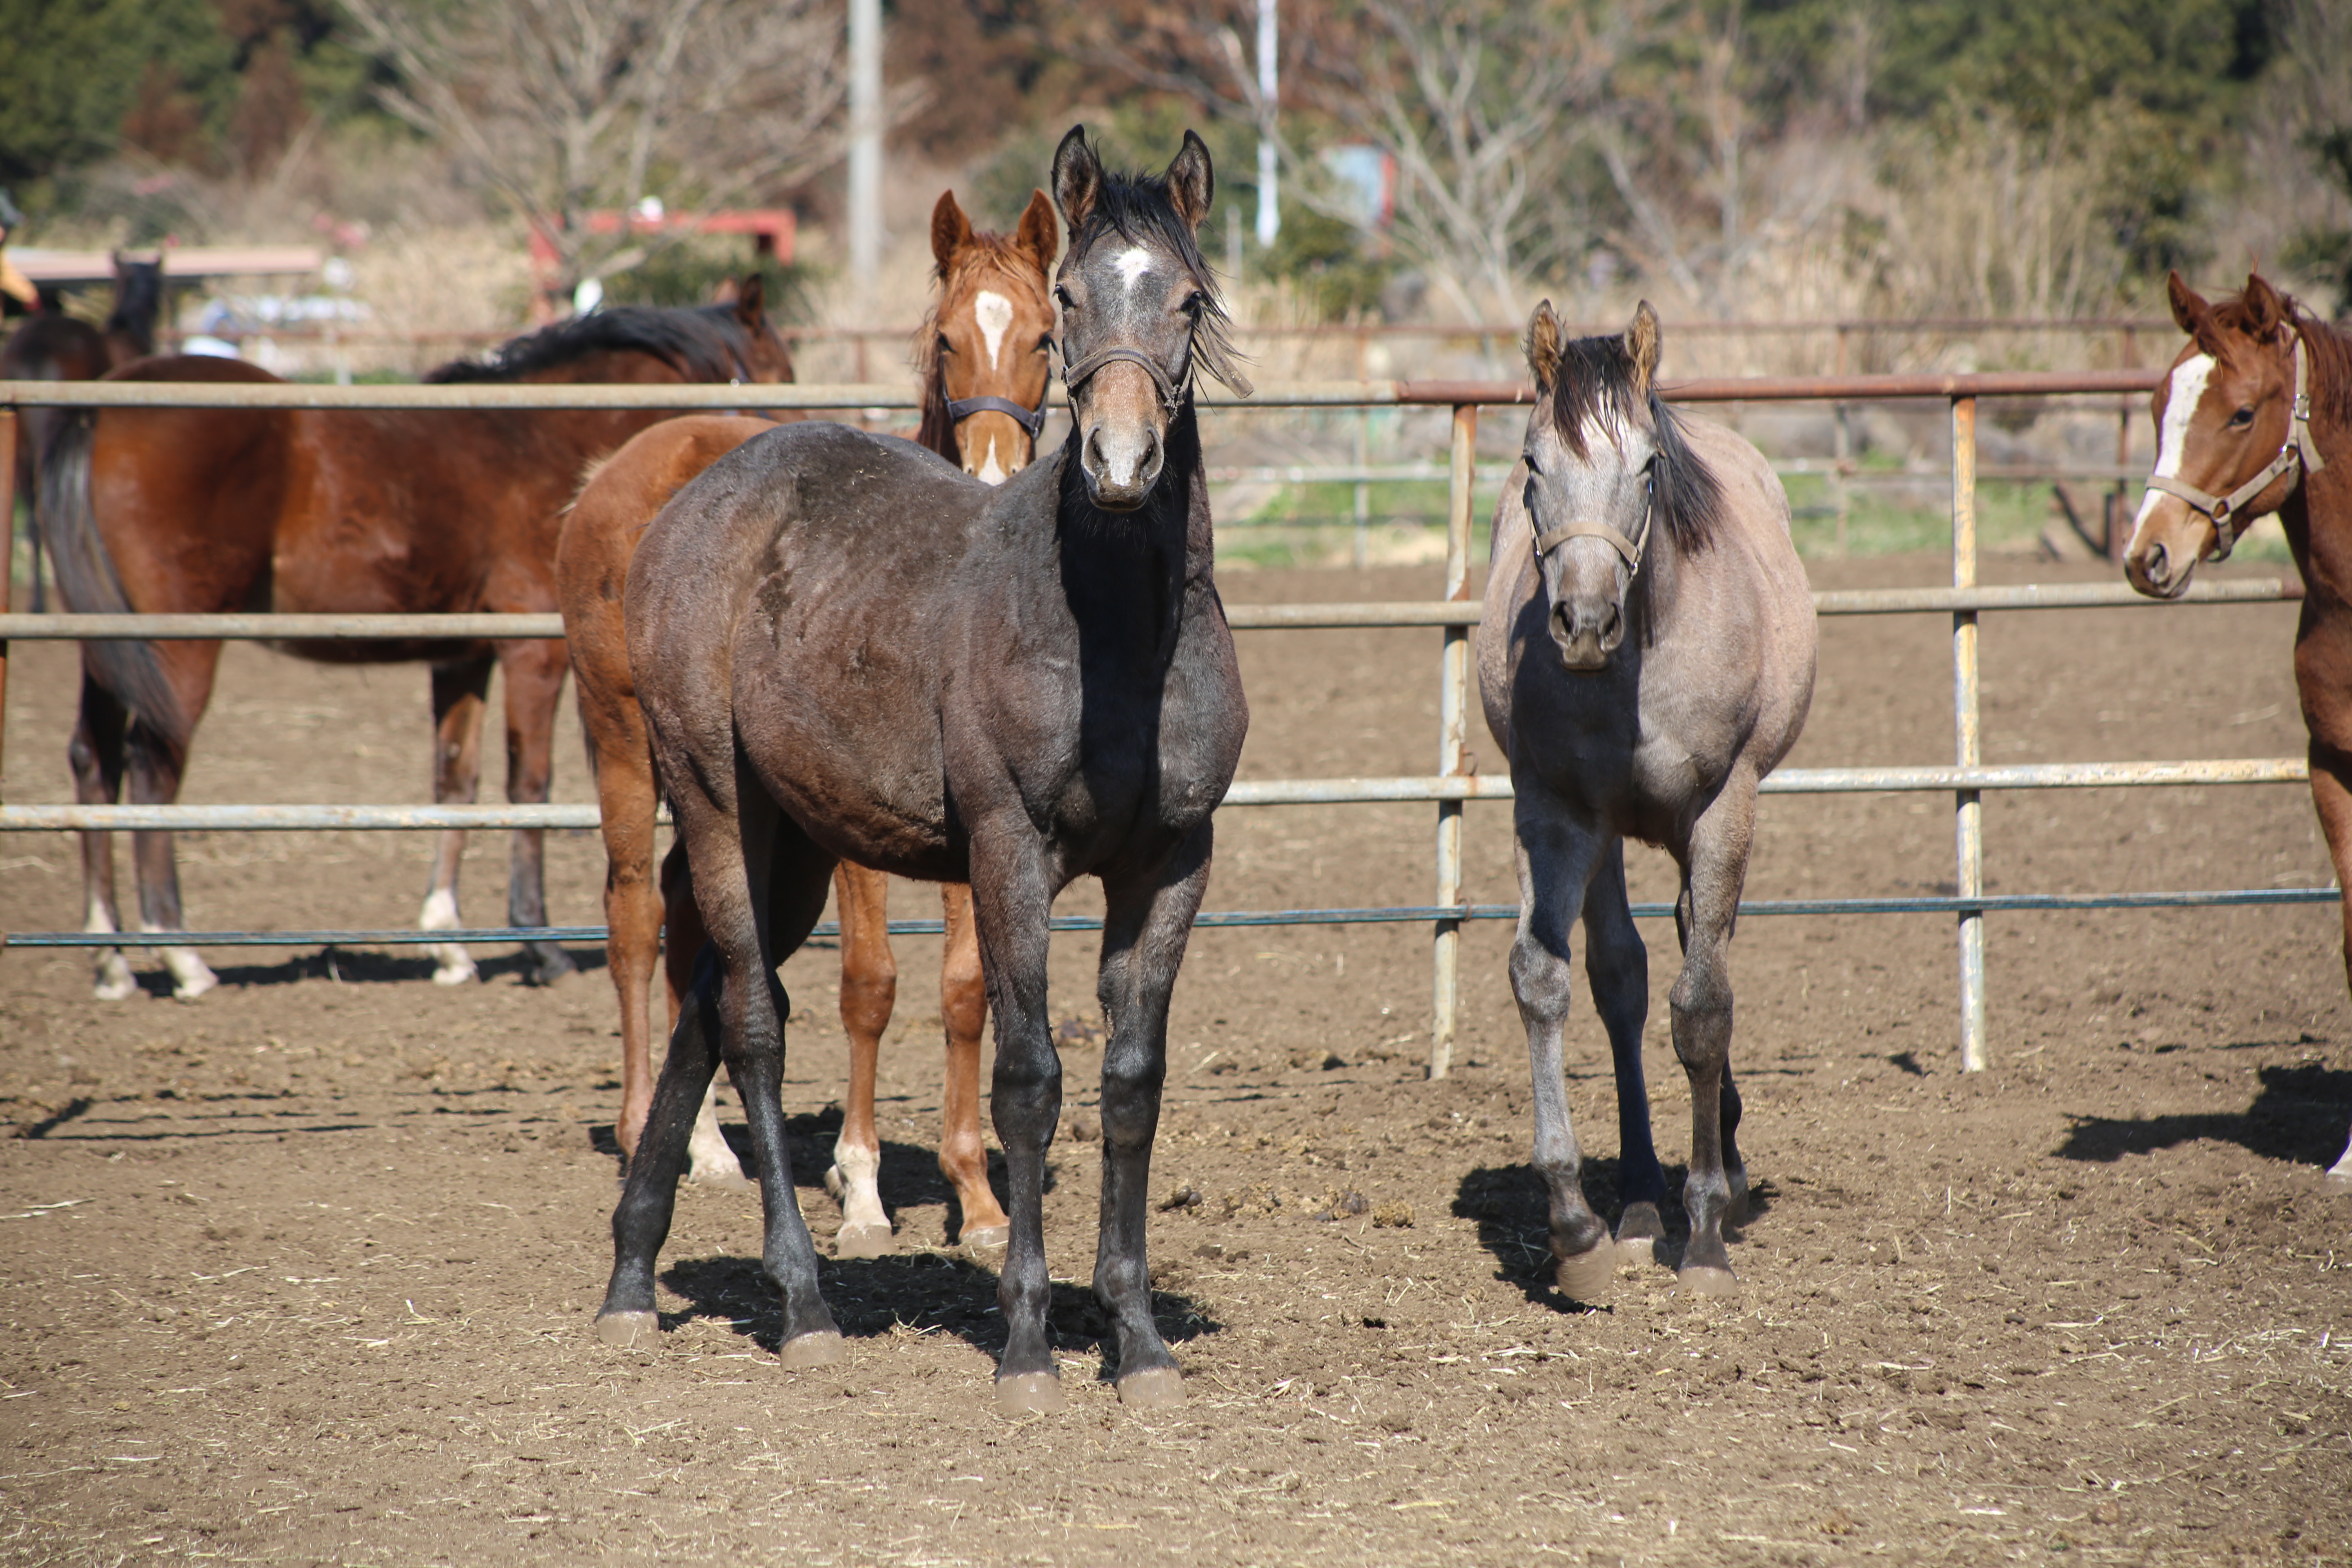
pixel 1193 304
pixel 1529 459
pixel 2242 418
pixel 946 347
pixel 1062 298
pixel 1045 342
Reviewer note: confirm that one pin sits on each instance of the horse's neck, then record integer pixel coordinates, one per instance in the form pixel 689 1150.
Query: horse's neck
pixel 1132 575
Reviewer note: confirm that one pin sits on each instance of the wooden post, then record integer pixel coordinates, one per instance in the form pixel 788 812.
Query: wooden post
pixel 1968 749
pixel 1453 711
pixel 8 417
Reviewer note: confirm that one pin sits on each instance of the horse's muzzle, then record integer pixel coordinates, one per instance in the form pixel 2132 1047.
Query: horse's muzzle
pixel 1587 635
pixel 2165 550
pixel 1121 463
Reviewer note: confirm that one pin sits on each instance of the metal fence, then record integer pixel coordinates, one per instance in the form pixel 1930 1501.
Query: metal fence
pixel 1448 788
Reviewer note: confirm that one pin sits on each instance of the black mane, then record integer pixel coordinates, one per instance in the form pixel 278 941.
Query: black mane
pixel 1139 209
pixel 1596 379
pixel 138 299
pixel 703 343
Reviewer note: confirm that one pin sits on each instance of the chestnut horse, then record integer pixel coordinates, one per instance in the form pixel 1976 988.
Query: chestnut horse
pixel 2255 417
pixel 204 510
pixel 54 346
pixel 848 648
pixel 985 350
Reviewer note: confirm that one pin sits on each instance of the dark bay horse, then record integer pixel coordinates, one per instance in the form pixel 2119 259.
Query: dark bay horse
pixel 846 649
pixel 2255 417
pixel 54 346
pixel 1645 658
pixel 985 350
pixel 200 509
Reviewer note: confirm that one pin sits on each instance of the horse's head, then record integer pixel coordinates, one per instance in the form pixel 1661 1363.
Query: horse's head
pixel 2231 444
pixel 763 353
pixel 992 335
pixel 1592 447
pixel 1140 310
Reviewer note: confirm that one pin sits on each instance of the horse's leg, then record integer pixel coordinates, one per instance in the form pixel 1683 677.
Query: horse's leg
pixel 1617 966
pixel 1148 918
pixel 534 682
pixel 2331 797
pixel 735 1013
pixel 155 765
pixel 460 693
pixel 633 904
pixel 1715 866
pixel 710 1159
pixel 1557 858
pixel 869 988
pixel 963 1008
pixel 95 755
pixel 1012 904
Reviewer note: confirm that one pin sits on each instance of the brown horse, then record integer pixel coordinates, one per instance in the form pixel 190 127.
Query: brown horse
pixel 200 509
pixel 2255 417
pixel 985 353
pixel 54 346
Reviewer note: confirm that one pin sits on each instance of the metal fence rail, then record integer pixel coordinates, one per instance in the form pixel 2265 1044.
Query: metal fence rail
pixel 1449 788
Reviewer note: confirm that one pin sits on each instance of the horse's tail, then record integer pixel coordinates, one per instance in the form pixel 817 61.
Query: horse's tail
pixel 88 583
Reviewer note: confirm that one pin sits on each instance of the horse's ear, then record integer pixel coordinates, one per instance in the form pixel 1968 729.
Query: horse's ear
pixel 1078 178
pixel 751 301
pixel 2188 307
pixel 1192 182
pixel 1642 340
pixel 950 230
pixel 2266 307
pixel 1543 346
pixel 1036 234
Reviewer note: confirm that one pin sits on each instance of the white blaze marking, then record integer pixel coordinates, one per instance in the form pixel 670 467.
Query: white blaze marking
pixel 994 314
pixel 990 472
pixel 2188 389
pixel 1132 265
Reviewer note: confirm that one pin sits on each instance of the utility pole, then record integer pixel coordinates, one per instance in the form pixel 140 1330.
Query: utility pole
pixel 864 151
pixel 1269 87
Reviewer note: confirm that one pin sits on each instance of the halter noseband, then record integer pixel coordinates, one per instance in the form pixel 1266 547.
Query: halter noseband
pixel 1029 419
pixel 2298 455
pixel 1077 372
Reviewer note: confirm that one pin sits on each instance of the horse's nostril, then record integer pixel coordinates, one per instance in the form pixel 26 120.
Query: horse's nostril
pixel 2155 564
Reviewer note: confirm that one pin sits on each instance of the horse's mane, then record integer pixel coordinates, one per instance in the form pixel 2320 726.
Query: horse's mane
pixel 937 430
pixel 2330 348
pixel 1137 209
pixel 1596 379
pixel 701 342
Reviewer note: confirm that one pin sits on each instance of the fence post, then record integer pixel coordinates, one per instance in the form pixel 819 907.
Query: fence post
pixel 1969 829
pixel 7 566
pixel 1452 708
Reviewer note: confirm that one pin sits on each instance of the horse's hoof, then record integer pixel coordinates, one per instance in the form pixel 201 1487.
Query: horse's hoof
pixel 986 1245
pixel 627 1331
pixel 1031 1394
pixel 2338 1181
pixel 863 1240
pixel 554 967
pixel 115 987
pixel 194 986
pixel 726 1177
pixel 1153 1388
pixel 1701 1281
pixel 1639 1232
pixel 824 1347
pixel 1588 1276
pixel 455 974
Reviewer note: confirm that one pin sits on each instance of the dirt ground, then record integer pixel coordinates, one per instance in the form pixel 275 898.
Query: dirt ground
pixel 303 1271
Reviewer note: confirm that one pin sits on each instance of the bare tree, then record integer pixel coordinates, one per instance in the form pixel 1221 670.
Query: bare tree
pixel 565 106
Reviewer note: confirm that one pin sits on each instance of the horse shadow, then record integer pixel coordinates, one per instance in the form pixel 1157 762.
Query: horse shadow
pixel 364 966
pixel 1512 1208
pixel 910 1295
pixel 2298 1118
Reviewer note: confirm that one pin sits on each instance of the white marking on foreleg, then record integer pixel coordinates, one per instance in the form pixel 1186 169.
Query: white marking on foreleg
pixel 114 979
pixel 2180 402
pixel 457 965
pixel 711 1159
pixel 190 975
pixel 993 312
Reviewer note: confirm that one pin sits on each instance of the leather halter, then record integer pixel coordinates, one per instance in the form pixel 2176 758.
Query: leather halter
pixel 1551 539
pixel 2298 455
pixel 1077 372
pixel 1029 419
